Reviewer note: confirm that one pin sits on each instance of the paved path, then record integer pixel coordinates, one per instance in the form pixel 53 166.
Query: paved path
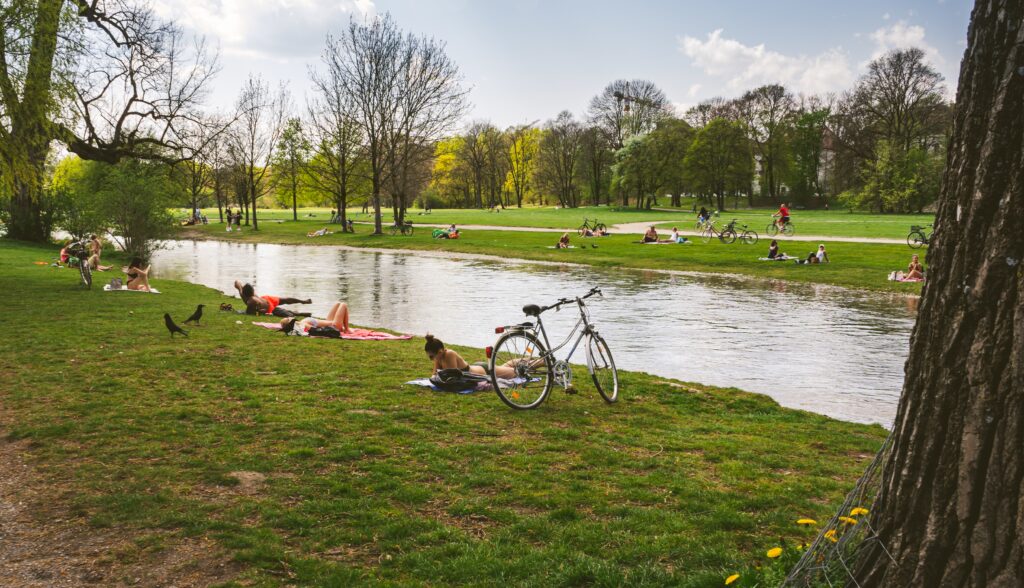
pixel 639 228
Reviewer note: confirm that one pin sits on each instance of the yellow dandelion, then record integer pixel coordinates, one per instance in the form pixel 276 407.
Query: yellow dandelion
pixel 831 535
pixel 806 522
pixel 774 552
pixel 858 511
pixel 848 520
pixel 732 579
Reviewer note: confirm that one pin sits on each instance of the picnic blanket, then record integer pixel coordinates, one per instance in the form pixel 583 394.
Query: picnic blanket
pixel 685 242
pixel 426 383
pixel 778 258
pixel 484 386
pixel 107 288
pixel 355 334
pixel 555 247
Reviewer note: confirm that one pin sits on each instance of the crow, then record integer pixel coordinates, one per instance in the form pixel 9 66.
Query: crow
pixel 171 327
pixel 198 314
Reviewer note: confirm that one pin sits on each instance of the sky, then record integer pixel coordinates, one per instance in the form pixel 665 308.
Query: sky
pixel 528 60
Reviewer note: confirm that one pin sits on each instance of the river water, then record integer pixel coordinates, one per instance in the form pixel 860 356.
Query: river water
pixel 829 350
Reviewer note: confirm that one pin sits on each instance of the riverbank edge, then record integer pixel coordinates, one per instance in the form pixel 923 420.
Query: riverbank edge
pixel 906 290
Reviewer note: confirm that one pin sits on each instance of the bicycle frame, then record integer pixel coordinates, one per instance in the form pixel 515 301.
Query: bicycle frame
pixel 585 332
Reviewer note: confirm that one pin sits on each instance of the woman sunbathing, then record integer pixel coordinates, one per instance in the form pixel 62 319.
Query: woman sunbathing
pixel 447 359
pixel 915 271
pixel 563 243
pixel 265 304
pixel 138 278
pixel 337 317
pixel 651 236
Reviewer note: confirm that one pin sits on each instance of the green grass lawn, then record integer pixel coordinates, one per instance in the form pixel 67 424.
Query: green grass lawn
pixel 857 265
pixel 838 223
pixel 368 481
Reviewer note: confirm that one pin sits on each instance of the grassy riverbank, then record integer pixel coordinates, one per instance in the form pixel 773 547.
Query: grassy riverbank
pixel 856 265
pixel 308 462
pixel 835 223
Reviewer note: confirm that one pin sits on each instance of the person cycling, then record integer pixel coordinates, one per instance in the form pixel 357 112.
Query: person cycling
pixel 783 215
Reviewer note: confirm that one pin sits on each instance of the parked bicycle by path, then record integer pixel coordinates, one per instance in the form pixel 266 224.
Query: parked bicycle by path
pixel 589 228
pixel 729 234
pixel 919 236
pixel 404 228
pixel 526 349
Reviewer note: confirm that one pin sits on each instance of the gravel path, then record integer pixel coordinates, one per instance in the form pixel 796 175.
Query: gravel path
pixel 639 228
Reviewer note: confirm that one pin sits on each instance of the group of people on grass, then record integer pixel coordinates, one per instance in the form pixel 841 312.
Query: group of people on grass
pixel 234 219
pixel 651 236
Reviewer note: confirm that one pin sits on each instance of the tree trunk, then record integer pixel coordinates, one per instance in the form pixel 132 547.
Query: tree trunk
pixel 950 510
pixel 26 222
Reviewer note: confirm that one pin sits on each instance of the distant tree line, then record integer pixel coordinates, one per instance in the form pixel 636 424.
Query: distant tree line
pixel 879 146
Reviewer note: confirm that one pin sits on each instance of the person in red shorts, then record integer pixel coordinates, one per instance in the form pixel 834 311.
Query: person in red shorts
pixel 266 304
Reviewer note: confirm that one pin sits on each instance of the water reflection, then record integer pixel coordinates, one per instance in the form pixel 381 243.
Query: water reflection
pixel 830 350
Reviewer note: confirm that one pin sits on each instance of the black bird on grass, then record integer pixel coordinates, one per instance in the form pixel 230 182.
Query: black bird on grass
pixel 171 327
pixel 198 314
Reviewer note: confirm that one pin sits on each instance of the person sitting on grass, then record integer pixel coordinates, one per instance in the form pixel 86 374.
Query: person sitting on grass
pixel 822 255
pixel 265 304
pixel 915 271
pixel 447 359
pixel 563 243
pixel 95 251
pixel 138 277
pixel 703 215
pixel 675 237
pixel 453 233
pixel 337 318
pixel 773 250
pixel 651 236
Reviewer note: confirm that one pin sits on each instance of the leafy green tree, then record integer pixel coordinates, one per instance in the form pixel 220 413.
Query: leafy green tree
pixel 805 149
pixel 898 181
pixel 133 198
pixel 290 161
pixel 521 155
pixel 719 162
pixel 64 69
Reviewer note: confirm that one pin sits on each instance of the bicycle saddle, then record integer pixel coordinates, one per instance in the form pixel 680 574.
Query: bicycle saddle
pixel 531 310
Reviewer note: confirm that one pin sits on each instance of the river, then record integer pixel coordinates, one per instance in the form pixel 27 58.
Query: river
pixel 834 351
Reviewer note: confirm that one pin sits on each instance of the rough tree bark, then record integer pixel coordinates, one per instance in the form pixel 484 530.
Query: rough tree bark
pixel 951 508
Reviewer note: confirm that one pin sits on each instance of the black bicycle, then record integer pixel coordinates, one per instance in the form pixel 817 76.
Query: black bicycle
pixel 523 367
pixel 404 228
pixel 592 227
pixel 919 236
pixel 729 234
pixel 78 254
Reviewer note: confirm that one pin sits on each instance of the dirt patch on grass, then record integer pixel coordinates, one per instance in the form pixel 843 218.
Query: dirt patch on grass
pixel 43 545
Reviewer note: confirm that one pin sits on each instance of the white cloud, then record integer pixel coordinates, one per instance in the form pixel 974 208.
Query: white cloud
pixel 276 29
pixel 886 16
pixel 902 36
pixel 745 66
pixel 694 89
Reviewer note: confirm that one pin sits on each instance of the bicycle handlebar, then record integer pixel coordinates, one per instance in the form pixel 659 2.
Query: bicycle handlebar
pixel 562 301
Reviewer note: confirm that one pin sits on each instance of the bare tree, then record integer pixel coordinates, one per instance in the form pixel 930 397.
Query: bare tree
pixel 767 112
pixel 700 115
pixel 628 108
pixel 559 157
pixel 261 117
pixel 473 152
pixel 406 94
pixel 950 508
pixel 338 153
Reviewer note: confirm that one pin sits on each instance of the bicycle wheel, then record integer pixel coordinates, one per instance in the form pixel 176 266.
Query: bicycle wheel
pixel 728 236
pixel 393 230
pixel 602 368
pixel 407 230
pixel 788 229
pixel 698 226
pixel 772 229
pixel 600 227
pixel 916 239
pixel 707 234
pixel 582 230
pixel 533 367
pixel 749 237
pixel 86 272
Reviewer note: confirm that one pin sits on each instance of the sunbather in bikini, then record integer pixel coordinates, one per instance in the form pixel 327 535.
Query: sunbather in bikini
pixel 337 317
pixel 447 359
